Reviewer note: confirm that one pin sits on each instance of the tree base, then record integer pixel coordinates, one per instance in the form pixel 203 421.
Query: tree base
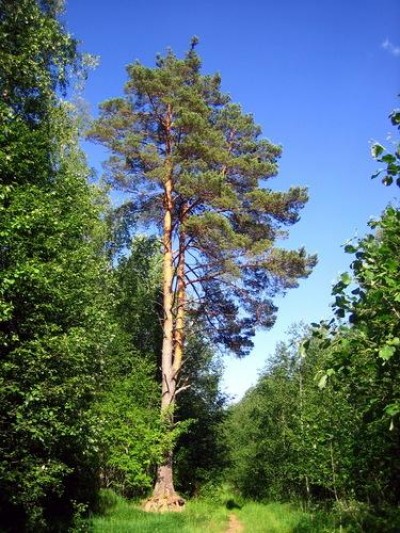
pixel 164 504
pixel 164 498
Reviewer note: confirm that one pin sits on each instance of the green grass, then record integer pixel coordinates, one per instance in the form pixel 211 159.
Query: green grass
pixel 121 516
pixel 198 516
pixel 202 515
pixel 212 516
pixel 270 518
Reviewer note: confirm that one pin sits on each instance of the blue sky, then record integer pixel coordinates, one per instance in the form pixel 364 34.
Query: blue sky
pixel 319 76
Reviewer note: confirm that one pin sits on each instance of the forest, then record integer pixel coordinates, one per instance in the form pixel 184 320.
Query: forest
pixel 114 319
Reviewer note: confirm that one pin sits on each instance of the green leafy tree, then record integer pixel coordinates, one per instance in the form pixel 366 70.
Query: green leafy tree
pixel 201 451
pixel 258 431
pixel 364 347
pixel 372 307
pixel 289 438
pixel 53 319
pixel 138 297
pixel 391 160
pixel 195 166
pixel 328 420
pixel 130 436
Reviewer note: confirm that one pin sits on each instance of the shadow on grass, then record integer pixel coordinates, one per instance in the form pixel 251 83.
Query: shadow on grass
pixel 231 504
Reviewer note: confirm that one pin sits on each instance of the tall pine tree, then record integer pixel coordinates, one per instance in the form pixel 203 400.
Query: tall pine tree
pixel 195 166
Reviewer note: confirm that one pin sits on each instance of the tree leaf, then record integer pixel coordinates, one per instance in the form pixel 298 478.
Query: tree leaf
pixel 322 382
pixel 376 150
pixel 346 278
pixel 392 409
pixel 350 249
pixel 387 352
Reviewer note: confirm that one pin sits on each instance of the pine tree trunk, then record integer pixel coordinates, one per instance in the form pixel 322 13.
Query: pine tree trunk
pixel 164 497
pixel 180 297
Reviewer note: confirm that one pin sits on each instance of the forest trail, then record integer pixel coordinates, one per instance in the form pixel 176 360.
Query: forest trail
pixel 235 526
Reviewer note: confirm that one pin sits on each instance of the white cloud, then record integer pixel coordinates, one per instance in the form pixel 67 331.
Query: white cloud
pixel 391 48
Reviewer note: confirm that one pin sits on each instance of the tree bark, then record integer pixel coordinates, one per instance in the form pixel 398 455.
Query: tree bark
pixel 164 497
pixel 180 298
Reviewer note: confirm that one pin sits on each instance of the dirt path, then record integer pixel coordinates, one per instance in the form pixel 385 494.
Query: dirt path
pixel 235 526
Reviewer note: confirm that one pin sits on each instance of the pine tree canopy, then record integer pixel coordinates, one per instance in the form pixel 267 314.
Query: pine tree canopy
pixel 179 145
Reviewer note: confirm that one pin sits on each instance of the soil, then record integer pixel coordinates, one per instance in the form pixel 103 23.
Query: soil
pixel 235 526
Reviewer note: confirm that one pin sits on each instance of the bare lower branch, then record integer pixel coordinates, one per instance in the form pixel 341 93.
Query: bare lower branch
pixel 181 389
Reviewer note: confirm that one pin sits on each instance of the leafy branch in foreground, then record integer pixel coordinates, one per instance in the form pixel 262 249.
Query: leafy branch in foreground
pixel 391 160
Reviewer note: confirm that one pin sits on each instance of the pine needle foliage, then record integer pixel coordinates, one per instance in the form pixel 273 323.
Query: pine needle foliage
pixel 178 143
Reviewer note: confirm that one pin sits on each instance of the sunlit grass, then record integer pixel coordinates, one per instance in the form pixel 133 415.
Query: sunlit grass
pixel 269 518
pixel 198 516
pixel 212 516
